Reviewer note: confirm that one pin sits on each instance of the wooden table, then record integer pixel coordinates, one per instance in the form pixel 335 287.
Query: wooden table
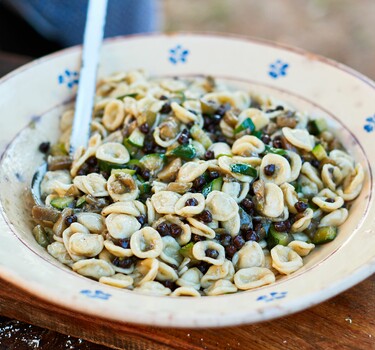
pixel 344 322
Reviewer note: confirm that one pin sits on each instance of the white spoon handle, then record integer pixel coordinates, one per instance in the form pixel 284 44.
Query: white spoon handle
pixel 93 38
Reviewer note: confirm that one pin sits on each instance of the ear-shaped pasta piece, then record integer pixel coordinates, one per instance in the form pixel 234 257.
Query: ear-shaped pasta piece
pixel 170 253
pixel 93 222
pixel 122 187
pixel 282 171
pixel 237 99
pixel 285 260
pixel 182 113
pixel 201 229
pixel 151 212
pixel 173 85
pixel 238 191
pixel 353 184
pixel 94 268
pixel 185 235
pixel 220 148
pixel 299 138
pixel 146 270
pixel 308 187
pixel 158 186
pixel 66 120
pixel 301 248
pixel 94 184
pixel 331 176
pixel 87 245
pixel 118 280
pixel 152 288
pixel 312 174
pixel 58 181
pixel 273 205
pixel 185 292
pixel 226 163
pixel 190 278
pixel 290 197
pixel 259 118
pixel 116 250
pixel 335 218
pixel 222 206
pixel 335 202
pixel 166 273
pixel 304 221
pixel 121 226
pixel 295 165
pixel 248 145
pixel 184 266
pixel 68 233
pixel 59 252
pixel 146 243
pixel 127 207
pixel 233 225
pixel 221 287
pixel 250 255
pixel 253 277
pixel 114 115
pixel 343 160
pixel 200 249
pixel 218 272
pixel 164 202
pixel 226 129
pixel 191 170
pixel 181 208
pixel 158 132
pixel 113 152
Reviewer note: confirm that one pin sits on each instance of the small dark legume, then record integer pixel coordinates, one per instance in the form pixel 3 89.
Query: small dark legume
pixel 175 230
pixel 70 219
pixel 209 155
pixel 146 174
pixel 44 147
pixel 169 284
pixel 277 143
pixel 212 253
pixel 266 139
pixel 199 182
pixel 230 251
pixel 269 169
pixel 251 235
pixel 163 229
pixel 226 240
pixel 166 108
pixel 124 243
pixel 141 219
pixel 202 266
pixel 213 174
pixel 247 205
pixel 124 263
pixel 282 226
pixel 238 241
pixel 197 238
pixel 191 202
pixel 204 216
pixel 144 128
pixel 330 200
pixel 300 206
pixel 315 163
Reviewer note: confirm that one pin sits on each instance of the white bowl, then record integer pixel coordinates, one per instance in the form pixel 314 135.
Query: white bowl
pixel 32 98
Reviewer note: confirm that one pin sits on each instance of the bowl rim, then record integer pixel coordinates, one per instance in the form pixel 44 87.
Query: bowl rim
pixel 273 311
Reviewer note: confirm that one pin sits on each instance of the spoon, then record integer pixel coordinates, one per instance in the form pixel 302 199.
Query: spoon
pixel 93 37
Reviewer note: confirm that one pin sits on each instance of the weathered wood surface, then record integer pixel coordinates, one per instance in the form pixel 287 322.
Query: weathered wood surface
pixel 344 322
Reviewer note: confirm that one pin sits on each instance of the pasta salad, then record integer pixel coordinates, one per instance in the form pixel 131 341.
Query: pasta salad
pixel 189 187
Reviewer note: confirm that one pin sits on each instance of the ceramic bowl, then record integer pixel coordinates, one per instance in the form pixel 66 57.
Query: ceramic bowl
pixel 33 97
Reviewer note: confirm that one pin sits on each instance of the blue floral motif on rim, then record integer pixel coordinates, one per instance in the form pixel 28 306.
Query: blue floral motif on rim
pixel 97 294
pixel 278 69
pixel 68 78
pixel 178 54
pixel 370 124
pixel 272 296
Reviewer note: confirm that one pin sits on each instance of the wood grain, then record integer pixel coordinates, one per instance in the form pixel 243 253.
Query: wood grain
pixel 344 322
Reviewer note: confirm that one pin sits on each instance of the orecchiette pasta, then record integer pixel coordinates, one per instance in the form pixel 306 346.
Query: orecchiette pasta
pixel 188 187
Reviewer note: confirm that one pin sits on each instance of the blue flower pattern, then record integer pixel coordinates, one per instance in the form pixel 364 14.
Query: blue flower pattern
pixel 97 294
pixel 178 54
pixel 68 78
pixel 272 296
pixel 370 124
pixel 278 69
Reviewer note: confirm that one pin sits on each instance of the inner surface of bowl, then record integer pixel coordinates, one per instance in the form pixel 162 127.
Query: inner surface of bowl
pixel 347 101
